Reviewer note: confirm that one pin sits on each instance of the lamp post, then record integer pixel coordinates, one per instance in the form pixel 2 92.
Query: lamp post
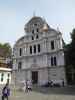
pixel 48 69
pixel 14 82
pixel 48 74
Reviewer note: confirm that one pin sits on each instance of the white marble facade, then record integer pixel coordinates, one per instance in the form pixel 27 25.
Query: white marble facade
pixel 38 55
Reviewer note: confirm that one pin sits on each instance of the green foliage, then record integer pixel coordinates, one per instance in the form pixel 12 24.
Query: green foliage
pixel 5 49
pixel 69 51
pixel 73 35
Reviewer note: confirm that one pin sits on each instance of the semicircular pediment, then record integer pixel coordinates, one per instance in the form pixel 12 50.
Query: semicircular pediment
pixel 34 22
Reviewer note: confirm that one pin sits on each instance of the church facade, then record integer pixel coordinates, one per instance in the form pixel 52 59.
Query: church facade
pixel 38 56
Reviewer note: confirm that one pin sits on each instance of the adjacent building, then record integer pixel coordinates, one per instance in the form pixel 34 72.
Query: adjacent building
pixel 38 56
pixel 5 71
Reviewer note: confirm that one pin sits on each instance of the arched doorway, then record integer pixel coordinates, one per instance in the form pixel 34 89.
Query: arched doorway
pixel 34 77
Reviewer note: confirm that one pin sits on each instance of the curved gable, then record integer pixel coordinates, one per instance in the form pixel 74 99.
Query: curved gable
pixel 34 23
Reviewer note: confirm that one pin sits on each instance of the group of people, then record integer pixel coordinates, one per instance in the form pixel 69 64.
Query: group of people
pixel 6 89
pixel 28 85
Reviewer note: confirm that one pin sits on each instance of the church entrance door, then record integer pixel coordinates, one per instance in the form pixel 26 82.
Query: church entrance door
pixel 34 77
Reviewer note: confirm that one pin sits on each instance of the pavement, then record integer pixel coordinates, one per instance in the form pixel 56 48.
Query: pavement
pixel 41 93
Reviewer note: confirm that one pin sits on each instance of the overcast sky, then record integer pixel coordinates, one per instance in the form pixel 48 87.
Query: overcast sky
pixel 15 13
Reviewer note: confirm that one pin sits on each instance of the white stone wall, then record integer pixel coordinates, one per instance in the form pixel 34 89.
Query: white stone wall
pixel 40 61
pixel 60 59
pixel 42 76
pixel 58 73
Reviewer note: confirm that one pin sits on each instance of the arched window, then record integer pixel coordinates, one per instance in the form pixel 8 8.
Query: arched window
pixel 34 48
pixel 19 66
pixel 37 30
pixel 30 49
pixel 32 38
pixel 52 44
pixel 37 37
pixel 20 52
pixel 38 47
pixel 2 75
pixel 53 61
pixel 33 31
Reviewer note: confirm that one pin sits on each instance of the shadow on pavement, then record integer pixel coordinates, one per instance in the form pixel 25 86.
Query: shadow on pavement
pixel 55 90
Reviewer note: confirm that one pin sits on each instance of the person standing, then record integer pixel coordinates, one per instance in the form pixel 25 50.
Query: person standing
pixel 5 92
pixel 29 85
pixel 26 90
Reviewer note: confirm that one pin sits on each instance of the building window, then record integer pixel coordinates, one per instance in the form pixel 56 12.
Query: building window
pixel 8 75
pixel 32 38
pixel 30 49
pixel 53 61
pixel 37 30
pixel 35 24
pixel 2 75
pixel 19 66
pixel 52 45
pixel 34 48
pixel 2 79
pixel 33 31
pixel 20 52
pixel 8 80
pixel 38 47
pixel 37 37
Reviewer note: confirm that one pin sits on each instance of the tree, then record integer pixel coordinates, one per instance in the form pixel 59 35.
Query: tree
pixel 70 58
pixel 8 49
pixel 5 50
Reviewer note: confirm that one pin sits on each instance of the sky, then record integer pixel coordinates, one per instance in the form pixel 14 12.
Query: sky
pixel 14 14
